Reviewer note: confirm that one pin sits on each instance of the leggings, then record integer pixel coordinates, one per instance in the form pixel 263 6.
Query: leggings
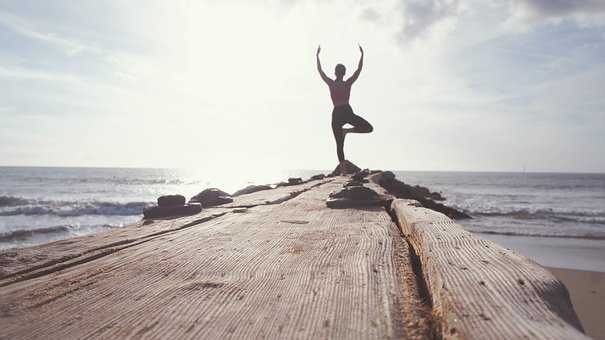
pixel 342 115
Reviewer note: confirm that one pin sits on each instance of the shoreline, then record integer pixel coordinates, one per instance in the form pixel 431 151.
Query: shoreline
pixel 556 252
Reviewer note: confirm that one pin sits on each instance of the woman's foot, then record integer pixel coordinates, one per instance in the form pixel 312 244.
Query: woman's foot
pixel 343 168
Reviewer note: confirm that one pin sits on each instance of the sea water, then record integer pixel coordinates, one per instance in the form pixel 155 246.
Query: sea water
pixel 39 205
pixel 523 204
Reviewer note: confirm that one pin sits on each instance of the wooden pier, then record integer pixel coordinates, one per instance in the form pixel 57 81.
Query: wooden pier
pixel 279 264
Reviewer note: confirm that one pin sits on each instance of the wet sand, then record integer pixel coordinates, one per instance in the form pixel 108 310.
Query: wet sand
pixel 587 291
pixel 556 252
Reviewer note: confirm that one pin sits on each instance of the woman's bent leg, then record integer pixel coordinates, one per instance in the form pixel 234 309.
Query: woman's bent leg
pixel 360 125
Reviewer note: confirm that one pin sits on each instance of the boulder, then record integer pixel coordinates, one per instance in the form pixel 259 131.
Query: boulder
pixel 318 176
pixel 355 193
pixel 436 196
pixel 354 183
pixel 360 175
pixel 386 176
pixel 171 200
pixel 211 197
pixel 351 169
pixel 171 211
pixel 250 189
pixel 355 197
pixel 295 180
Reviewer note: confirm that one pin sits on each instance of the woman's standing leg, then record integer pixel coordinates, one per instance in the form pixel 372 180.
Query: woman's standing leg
pixel 340 139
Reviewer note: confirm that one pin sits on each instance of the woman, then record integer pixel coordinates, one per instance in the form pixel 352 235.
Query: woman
pixel 340 91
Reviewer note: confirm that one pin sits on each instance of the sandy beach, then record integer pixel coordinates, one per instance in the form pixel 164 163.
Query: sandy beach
pixel 587 291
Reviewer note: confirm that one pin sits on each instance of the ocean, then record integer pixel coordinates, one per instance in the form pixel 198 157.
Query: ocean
pixel 39 205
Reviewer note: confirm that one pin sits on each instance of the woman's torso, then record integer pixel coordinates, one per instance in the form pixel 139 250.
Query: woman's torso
pixel 340 92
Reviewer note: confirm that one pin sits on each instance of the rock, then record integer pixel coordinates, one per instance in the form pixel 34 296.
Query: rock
pixel 351 169
pixel 355 196
pixel 436 196
pixel 211 197
pixel 448 211
pixel 171 200
pixel 318 176
pixel 421 194
pixel 355 193
pixel 171 211
pixel 250 189
pixel 360 175
pixel 295 180
pixel 354 183
pixel 387 176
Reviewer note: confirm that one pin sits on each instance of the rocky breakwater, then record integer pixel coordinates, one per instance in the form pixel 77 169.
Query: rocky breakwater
pixel 424 196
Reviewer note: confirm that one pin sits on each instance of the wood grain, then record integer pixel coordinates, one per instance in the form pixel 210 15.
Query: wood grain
pixel 290 270
pixel 480 290
pixel 23 262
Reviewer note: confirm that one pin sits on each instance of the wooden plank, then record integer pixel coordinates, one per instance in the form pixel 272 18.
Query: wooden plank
pixel 274 196
pixel 23 262
pixel 481 290
pixel 293 270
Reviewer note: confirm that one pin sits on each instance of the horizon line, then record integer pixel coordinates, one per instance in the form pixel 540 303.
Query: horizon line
pixel 320 170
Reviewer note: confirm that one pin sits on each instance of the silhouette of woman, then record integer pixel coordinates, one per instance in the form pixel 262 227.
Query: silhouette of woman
pixel 340 91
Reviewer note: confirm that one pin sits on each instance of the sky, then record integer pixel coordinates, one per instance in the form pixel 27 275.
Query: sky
pixel 449 85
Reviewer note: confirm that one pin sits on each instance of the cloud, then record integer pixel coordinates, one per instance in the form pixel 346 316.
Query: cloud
pixel 559 8
pixel 370 14
pixel 27 29
pixel 419 16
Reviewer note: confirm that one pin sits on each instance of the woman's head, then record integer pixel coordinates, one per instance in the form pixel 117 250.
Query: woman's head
pixel 340 70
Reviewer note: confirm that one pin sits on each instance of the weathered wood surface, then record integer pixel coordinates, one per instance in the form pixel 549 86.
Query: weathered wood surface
pixel 273 196
pixel 290 270
pixel 27 262
pixel 480 290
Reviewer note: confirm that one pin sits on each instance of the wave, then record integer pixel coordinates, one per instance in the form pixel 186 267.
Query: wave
pixel 530 234
pixel 11 206
pixel 594 217
pixel 110 180
pixel 47 232
pixel 12 201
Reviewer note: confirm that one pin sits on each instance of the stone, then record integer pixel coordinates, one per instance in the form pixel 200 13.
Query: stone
pixel 250 189
pixel 387 176
pixel 295 180
pixel 171 200
pixel 171 211
pixel 211 197
pixel 360 175
pixel 355 196
pixel 355 193
pixel 356 183
pixel 318 176
pixel 351 169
